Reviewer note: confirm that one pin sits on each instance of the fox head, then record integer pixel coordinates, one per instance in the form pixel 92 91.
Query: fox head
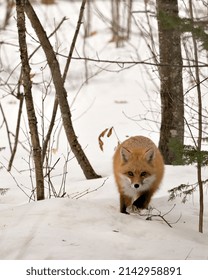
pixel 137 169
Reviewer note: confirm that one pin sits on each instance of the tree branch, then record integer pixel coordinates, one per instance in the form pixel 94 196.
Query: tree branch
pixel 60 93
pixel 55 106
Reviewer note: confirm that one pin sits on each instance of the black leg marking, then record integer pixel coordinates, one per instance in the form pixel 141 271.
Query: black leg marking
pixel 143 201
pixel 123 205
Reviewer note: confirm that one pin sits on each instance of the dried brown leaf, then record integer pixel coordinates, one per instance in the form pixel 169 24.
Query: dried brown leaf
pixel 110 132
pixel 101 144
pixel 102 134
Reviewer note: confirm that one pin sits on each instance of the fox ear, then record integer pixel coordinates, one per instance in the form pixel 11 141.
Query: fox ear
pixel 149 155
pixel 125 154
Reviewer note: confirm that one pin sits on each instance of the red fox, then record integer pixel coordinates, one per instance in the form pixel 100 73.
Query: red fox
pixel 138 169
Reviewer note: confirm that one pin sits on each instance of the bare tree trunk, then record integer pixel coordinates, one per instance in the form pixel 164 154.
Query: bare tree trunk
pixel 171 91
pixel 10 5
pixel 199 142
pixel 29 100
pixel 115 9
pixel 129 18
pixel 88 19
pixel 60 92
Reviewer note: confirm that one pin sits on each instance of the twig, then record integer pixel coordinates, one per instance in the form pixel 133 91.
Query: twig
pixel 79 23
pixel 31 55
pixel 87 191
pixel 17 133
pixel 50 170
pixel 16 181
pixel 50 35
pixel 189 253
pixel 7 126
pixel 63 183
pixel 133 62
pixel 150 216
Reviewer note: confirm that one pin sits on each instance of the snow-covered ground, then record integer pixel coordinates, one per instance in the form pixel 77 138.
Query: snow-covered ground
pixel 86 223
pixel 91 226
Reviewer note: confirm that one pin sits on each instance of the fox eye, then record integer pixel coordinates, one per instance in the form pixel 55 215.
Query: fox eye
pixel 130 173
pixel 143 174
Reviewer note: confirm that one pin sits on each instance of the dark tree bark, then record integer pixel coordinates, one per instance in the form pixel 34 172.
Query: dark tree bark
pixel 29 100
pixel 171 91
pixel 115 6
pixel 61 93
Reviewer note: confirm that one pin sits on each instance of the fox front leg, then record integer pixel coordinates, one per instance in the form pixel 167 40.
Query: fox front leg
pixel 123 205
pixel 142 202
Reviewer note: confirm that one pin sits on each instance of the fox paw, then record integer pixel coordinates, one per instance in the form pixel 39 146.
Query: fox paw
pixel 133 209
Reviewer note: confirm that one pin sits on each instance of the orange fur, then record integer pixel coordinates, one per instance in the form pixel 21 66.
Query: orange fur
pixel 138 169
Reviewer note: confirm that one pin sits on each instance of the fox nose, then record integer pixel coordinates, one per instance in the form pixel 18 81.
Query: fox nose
pixel 136 186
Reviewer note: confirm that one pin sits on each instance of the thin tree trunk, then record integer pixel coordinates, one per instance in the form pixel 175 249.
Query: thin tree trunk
pixel 199 142
pixel 171 91
pixel 117 25
pixel 60 93
pixel 10 5
pixel 115 8
pixel 29 100
pixel 7 127
pixel 21 101
pixel 88 19
pixel 129 18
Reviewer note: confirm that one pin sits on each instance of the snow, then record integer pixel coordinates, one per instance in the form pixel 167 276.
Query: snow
pixel 91 227
pixel 86 223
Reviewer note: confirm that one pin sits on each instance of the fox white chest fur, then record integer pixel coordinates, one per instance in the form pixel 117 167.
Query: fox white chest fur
pixel 129 188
